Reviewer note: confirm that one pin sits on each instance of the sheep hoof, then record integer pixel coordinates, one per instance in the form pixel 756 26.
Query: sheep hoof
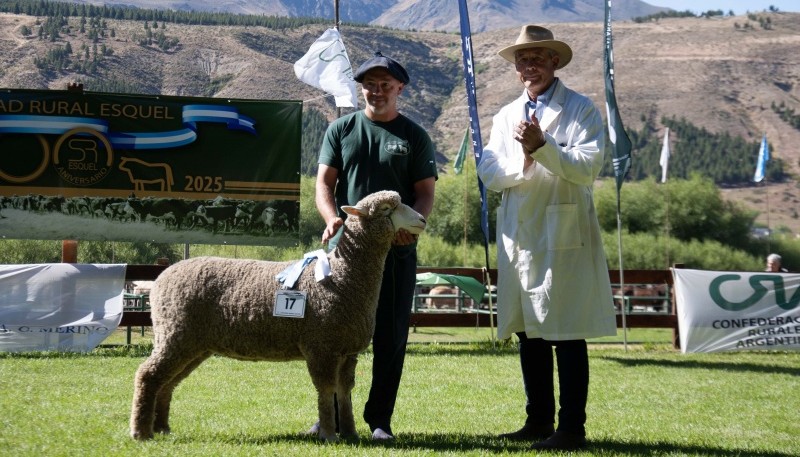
pixel 329 438
pixel 140 436
pixel 314 430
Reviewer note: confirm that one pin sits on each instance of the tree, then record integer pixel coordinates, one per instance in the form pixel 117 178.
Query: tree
pixel 693 209
pixel 457 207
pixel 314 126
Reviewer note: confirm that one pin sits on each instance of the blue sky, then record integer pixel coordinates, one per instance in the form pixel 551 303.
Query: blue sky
pixel 739 7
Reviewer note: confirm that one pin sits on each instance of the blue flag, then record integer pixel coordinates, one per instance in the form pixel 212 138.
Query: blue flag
pixel 763 158
pixel 620 143
pixel 469 81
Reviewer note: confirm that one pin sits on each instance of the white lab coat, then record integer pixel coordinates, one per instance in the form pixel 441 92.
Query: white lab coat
pixel 553 278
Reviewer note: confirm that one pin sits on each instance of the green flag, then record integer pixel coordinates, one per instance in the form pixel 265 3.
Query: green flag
pixel 458 166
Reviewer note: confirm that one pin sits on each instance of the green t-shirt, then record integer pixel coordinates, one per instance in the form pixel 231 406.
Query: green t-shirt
pixel 373 156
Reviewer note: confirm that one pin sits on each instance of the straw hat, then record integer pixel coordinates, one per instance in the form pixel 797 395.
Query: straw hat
pixel 533 36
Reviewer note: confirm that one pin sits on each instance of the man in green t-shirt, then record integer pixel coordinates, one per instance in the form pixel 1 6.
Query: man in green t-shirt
pixel 364 152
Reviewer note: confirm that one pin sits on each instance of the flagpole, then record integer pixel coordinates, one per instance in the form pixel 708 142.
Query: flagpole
pixel 666 228
pixel 477 142
pixel 769 230
pixel 336 26
pixel 623 306
pixel 464 242
pixel 620 149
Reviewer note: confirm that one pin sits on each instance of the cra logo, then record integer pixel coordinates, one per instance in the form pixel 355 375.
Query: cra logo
pixel 759 291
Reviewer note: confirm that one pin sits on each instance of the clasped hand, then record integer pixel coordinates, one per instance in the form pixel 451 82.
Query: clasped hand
pixel 529 135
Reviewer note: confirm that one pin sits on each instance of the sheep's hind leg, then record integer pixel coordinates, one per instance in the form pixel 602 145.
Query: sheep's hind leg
pixel 158 371
pixel 164 398
pixel 345 384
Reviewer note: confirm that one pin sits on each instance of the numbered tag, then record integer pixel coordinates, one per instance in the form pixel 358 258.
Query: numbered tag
pixel 290 303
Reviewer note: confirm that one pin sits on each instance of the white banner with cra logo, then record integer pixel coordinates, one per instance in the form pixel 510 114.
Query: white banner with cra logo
pixel 60 306
pixel 733 311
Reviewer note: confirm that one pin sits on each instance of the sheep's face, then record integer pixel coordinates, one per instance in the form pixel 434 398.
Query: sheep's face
pixel 404 217
pixel 401 215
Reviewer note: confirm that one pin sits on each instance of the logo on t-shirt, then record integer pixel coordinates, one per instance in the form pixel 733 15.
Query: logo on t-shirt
pixel 397 148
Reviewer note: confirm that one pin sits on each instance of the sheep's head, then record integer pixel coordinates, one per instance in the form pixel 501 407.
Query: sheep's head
pixel 388 204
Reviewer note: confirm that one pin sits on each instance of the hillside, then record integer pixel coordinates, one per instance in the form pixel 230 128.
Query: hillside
pixel 713 72
pixel 488 15
pixel 429 15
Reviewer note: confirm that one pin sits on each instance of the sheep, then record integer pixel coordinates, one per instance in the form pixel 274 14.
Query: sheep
pixel 434 301
pixel 206 305
pixel 142 287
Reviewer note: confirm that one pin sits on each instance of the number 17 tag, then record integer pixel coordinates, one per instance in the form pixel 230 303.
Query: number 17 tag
pixel 290 303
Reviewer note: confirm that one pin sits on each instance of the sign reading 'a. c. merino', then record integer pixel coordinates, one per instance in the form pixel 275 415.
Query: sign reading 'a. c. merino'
pixel 149 168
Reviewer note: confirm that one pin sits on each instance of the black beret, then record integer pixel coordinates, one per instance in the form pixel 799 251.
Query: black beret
pixel 380 61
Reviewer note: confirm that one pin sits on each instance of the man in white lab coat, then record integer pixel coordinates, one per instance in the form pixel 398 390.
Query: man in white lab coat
pixel 544 153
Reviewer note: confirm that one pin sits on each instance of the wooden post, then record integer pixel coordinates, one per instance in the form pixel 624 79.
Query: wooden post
pixel 69 251
pixel 69 248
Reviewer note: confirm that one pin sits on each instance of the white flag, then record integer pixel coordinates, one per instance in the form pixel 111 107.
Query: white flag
pixel 327 67
pixel 664 161
pixel 763 158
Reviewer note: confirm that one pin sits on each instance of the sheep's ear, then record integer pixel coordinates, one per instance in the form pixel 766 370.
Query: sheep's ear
pixel 355 211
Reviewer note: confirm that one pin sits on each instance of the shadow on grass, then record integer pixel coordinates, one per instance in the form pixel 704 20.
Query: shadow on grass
pixel 144 350
pixel 695 364
pixel 134 351
pixel 665 448
pixel 490 444
pixel 463 349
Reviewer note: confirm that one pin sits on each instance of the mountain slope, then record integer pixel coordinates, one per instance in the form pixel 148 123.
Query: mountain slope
pixel 716 73
pixel 427 15
pixel 493 15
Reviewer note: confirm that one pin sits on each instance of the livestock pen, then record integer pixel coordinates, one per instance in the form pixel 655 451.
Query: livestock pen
pixel 629 316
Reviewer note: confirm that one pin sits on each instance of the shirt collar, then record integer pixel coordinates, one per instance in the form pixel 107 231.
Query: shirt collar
pixel 544 98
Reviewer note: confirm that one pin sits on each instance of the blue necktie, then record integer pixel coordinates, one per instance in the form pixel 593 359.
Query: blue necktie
pixel 530 107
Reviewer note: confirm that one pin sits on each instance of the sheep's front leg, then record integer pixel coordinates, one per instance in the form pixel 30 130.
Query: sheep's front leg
pixel 347 380
pixel 323 371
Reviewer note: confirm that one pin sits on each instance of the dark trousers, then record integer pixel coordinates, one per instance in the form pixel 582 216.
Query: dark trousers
pixel 391 335
pixel 572 359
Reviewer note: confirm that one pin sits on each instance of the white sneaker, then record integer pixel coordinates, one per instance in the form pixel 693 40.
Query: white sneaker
pixel 380 435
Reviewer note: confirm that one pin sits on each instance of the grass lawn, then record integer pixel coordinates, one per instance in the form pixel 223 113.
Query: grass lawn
pixel 458 392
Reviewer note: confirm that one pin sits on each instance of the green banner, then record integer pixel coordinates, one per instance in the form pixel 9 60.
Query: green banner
pixel 93 166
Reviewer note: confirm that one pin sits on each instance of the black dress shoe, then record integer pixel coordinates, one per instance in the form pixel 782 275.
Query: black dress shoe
pixel 530 432
pixel 561 441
